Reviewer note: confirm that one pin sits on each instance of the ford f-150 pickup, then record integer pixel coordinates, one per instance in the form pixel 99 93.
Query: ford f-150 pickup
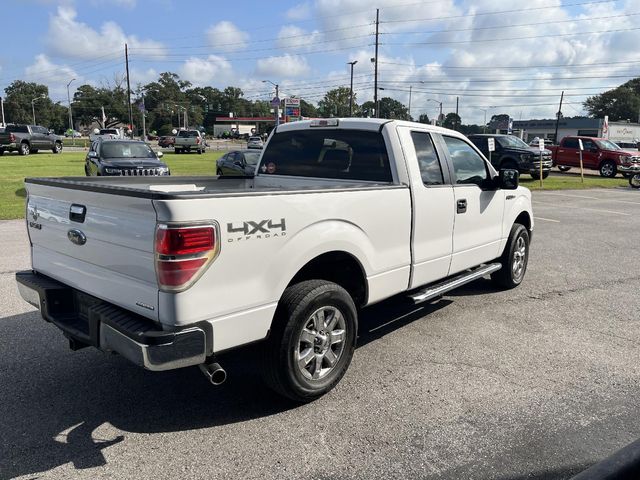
pixel 598 153
pixel 341 214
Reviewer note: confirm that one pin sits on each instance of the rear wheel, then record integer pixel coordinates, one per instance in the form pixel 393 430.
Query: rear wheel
pixel 563 168
pixel 25 149
pixel 536 175
pixel 634 180
pixel 312 340
pixel 514 260
pixel 608 169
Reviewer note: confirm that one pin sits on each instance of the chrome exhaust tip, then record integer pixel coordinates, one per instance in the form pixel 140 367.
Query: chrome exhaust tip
pixel 214 373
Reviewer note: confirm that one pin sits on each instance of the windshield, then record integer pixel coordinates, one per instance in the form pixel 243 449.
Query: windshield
pixel 106 132
pixel 126 150
pixel 511 142
pixel 251 158
pixel 607 145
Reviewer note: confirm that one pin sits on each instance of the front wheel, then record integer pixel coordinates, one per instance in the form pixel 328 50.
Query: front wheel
pixel 219 172
pixel 536 175
pixel 608 169
pixel 312 340
pixel 563 168
pixel 514 260
pixel 57 148
pixel 634 180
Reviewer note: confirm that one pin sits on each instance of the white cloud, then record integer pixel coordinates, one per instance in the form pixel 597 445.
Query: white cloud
pixel 207 71
pixel 291 37
pixel 142 77
pixel 302 11
pixel 283 66
pixel 56 77
pixel 226 37
pixel 70 38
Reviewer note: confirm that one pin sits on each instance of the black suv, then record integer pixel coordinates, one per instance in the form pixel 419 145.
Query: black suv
pixel 512 152
pixel 124 158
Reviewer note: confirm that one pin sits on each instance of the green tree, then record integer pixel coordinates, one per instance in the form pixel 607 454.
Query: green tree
pixel 89 101
pixel 424 118
pixel 621 103
pixel 336 103
pixel 393 109
pixel 17 103
pixel 307 109
pixel 452 121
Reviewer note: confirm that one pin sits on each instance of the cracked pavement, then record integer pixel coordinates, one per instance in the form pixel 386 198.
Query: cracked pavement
pixel 534 383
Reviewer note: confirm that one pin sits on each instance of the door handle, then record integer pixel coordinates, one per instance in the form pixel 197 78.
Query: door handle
pixel 462 205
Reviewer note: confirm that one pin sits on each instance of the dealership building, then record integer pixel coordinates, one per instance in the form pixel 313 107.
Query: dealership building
pixel 588 127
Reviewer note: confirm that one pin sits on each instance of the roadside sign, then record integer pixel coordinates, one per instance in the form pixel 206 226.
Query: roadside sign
pixel 541 144
pixel 275 102
pixel 580 146
pixel 492 144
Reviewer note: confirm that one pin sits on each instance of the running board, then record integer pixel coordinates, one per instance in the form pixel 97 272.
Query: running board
pixel 438 289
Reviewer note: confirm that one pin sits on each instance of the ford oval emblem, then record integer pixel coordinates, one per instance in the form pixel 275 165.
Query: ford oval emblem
pixel 76 236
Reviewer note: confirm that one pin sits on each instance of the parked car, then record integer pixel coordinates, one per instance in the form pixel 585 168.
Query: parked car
pixel 123 158
pixel 151 137
pixel 106 133
pixel 189 140
pixel 166 141
pixel 342 214
pixel 512 152
pixel 72 134
pixel 26 139
pixel 598 153
pixel 536 143
pixel 633 147
pixel 255 142
pixel 238 162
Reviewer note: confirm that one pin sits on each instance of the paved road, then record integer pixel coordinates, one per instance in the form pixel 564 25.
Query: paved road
pixel 535 383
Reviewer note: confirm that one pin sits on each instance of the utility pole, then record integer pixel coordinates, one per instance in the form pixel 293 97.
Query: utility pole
pixel 457 116
pixel 126 57
pixel 555 138
pixel 351 88
pixel 73 137
pixel 375 67
pixel 2 109
pixel 410 88
pixel 144 126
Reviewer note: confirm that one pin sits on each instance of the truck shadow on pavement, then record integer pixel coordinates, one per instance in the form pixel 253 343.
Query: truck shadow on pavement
pixel 61 406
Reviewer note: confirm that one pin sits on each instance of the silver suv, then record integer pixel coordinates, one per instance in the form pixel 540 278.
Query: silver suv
pixel 255 142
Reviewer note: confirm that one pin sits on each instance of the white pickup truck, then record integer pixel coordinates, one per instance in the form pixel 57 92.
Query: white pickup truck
pixel 341 214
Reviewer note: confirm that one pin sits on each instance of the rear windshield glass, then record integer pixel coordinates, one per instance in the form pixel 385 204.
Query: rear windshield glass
pixel 109 131
pixel 328 153
pixel 126 150
pixel 17 129
pixel 188 134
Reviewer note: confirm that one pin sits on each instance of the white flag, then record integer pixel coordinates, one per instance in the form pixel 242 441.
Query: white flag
pixel 605 127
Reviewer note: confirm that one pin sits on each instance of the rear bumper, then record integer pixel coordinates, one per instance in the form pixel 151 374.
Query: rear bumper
pixel 89 321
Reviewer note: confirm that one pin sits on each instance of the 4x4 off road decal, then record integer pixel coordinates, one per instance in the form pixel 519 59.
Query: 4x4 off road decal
pixel 256 230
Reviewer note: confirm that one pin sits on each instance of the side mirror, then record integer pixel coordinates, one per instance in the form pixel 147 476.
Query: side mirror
pixel 159 154
pixel 92 154
pixel 508 179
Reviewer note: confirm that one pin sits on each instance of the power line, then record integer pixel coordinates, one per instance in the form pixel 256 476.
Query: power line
pixel 501 67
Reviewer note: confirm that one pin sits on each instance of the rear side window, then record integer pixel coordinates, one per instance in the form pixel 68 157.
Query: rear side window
pixel 570 143
pixel 328 153
pixel 17 129
pixel 469 167
pixel 428 162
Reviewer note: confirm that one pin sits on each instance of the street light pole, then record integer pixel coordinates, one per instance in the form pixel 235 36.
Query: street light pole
pixel 439 116
pixel 351 88
pixel 33 108
pixel 2 109
pixel 410 88
pixel 73 137
pixel 276 107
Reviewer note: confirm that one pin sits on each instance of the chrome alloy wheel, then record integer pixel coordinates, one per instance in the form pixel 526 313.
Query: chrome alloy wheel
pixel 519 258
pixel 321 343
pixel 607 169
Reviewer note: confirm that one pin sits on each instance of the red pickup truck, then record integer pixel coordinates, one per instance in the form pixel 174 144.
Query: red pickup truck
pixel 598 153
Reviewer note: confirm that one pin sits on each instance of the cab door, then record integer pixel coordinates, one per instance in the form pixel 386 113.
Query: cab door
pixel 478 206
pixel 568 153
pixel 433 207
pixel 590 154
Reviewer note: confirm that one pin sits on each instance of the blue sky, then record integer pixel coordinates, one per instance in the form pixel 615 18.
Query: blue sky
pixel 513 57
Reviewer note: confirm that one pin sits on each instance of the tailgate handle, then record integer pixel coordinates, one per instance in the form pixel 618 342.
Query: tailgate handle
pixel 77 213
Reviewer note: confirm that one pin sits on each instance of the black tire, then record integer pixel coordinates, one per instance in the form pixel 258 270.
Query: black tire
pixel 508 276
pixel 1 152
pixel 634 180
pixel 627 175
pixel 24 149
pixel 563 168
pixel 199 151
pixel 33 150
pixel 177 150
pixel 608 169
pixel 296 313
pixel 86 171
pixel 57 148
pixel 536 175
pixel 219 172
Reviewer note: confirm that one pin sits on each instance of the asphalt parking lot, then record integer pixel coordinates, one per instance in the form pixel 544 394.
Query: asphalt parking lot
pixel 534 383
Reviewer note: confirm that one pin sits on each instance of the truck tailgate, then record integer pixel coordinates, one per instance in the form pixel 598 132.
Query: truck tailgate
pixel 108 253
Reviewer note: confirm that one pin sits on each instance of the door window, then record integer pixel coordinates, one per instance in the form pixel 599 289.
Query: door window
pixel 468 166
pixel 570 143
pixel 430 168
pixel 588 145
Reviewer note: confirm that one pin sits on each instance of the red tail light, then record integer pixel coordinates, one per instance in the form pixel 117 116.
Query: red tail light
pixel 183 253
pixel 12 138
pixel 197 141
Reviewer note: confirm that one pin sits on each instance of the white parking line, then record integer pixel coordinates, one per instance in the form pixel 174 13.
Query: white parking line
pixel 582 208
pixel 547 219
pixel 606 199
